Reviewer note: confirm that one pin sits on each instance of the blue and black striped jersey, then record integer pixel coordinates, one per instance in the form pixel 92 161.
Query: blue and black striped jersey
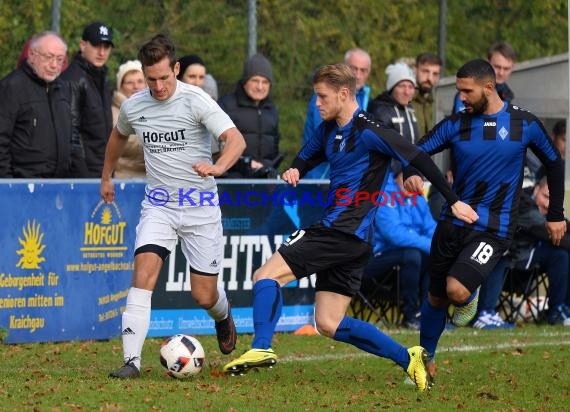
pixel 359 155
pixel 488 155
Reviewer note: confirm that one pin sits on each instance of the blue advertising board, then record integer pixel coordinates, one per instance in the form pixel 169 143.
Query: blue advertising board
pixel 66 258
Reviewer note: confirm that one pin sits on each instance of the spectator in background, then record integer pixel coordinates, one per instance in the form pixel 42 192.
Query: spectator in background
pixel 428 72
pixel 210 86
pixel 393 107
pixel 256 117
pixel 25 52
pixel 89 72
pixel 39 133
pixel 532 247
pixel 502 57
pixel 193 71
pixel 130 79
pixel 360 63
pixel 403 229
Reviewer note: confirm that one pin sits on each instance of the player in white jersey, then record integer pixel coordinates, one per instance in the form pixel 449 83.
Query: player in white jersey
pixel 174 122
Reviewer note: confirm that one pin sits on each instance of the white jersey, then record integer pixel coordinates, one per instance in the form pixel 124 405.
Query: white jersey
pixel 175 133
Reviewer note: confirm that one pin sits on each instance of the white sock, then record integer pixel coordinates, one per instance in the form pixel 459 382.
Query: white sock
pixel 136 321
pixel 220 310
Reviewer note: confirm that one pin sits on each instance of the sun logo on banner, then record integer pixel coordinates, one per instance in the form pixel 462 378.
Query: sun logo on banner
pixel 106 216
pixel 32 247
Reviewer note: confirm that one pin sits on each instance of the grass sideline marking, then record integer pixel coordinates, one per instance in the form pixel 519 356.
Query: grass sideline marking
pixel 445 349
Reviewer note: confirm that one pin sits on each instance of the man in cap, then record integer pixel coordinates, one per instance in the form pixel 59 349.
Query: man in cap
pixel 89 72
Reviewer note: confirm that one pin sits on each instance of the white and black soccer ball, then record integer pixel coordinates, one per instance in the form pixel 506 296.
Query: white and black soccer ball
pixel 182 356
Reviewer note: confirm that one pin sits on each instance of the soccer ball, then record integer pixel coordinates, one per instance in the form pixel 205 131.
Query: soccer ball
pixel 182 356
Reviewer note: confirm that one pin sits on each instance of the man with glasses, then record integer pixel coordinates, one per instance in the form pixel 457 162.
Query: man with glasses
pixel 39 136
pixel 89 71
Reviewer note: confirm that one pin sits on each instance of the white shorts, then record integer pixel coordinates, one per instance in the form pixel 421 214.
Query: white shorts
pixel 198 228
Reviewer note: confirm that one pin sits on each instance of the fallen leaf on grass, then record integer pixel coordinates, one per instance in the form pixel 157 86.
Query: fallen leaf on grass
pixel 111 407
pixel 210 388
pixel 216 373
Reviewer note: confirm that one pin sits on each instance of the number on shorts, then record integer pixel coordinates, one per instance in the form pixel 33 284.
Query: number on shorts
pixel 296 235
pixel 483 253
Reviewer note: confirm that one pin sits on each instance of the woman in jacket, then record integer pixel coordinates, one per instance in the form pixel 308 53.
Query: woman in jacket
pixel 130 79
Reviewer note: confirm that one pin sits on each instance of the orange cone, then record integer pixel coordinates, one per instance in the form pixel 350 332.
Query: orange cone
pixel 307 329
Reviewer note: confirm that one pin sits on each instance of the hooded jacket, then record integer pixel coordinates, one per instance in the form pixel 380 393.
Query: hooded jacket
pixel 39 131
pixel 393 114
pixel 259 124
pixel 96 114
pixel 399 225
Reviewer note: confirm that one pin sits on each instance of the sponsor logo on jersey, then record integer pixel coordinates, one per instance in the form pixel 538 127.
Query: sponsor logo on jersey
pixel 490 124
pixel 503 133
pixel 171 136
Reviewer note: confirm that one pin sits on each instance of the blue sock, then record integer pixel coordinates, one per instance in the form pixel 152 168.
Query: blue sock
pixel 431 326
pixel 367 337
pixel 267 304
pixel 469 299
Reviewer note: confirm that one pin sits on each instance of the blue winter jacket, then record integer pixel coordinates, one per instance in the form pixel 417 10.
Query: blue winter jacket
pixel 397 226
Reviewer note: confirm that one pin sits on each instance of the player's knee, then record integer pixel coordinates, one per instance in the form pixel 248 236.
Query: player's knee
pixel 436 302
pixel 326 327
pixel 281 278
pixel 261 273
pixel 204 299
pixel 457 293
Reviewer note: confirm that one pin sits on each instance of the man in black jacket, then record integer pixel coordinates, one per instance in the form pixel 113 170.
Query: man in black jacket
pixel 533 247
pixel 252 110
pixel 89 72
pixel 39 135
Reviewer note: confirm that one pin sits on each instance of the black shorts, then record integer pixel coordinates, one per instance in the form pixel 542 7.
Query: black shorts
pixel 465 254
pixel 337 258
